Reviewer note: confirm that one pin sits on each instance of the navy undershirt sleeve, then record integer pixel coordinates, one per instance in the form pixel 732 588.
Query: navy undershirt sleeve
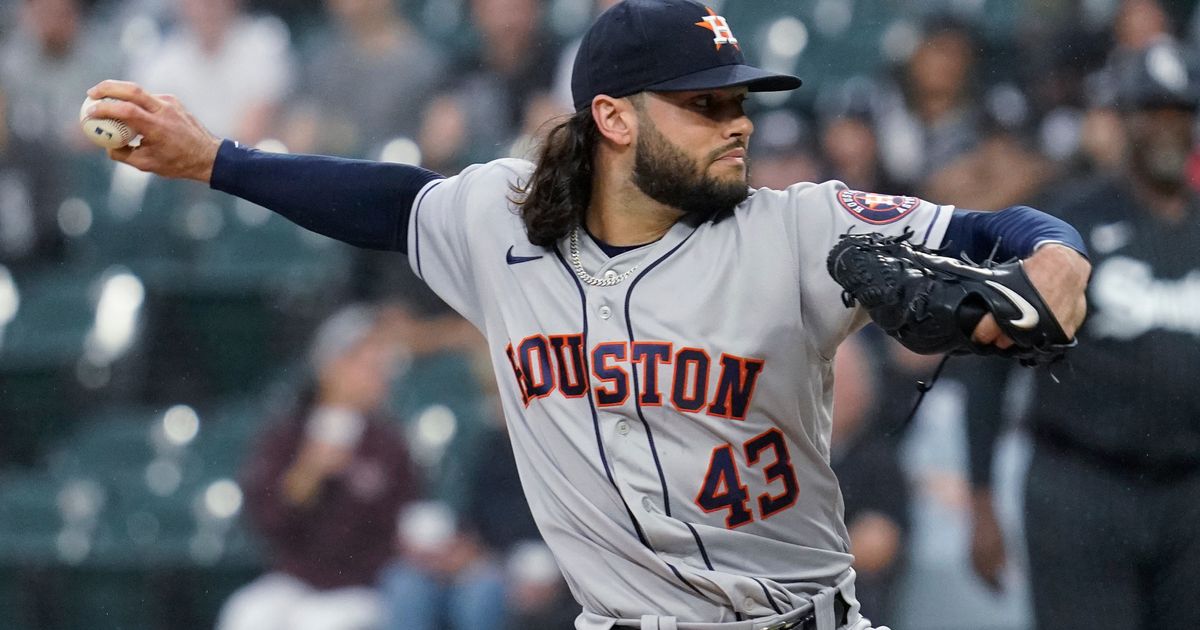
pixel 359 202
pixel 1013 233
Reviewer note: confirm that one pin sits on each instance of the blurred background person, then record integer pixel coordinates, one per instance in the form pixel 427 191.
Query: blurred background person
pixel 847 118
pixel 369 77
pixel 1113 489
pixel 444 577
pixel 501 93
pixel 231 68
pixel 537 594
pixel 55 52
pixel 1002 170
pixel 485 566
pixel 935 118
pixel 874 487
pixel 324 486
pixel 933 455
pixel 784 153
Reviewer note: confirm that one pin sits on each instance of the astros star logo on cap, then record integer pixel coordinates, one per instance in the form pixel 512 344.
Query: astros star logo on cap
pixel 718 25
pixel 655 45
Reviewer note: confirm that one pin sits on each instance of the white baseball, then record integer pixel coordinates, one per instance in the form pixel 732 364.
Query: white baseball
pixel 106 132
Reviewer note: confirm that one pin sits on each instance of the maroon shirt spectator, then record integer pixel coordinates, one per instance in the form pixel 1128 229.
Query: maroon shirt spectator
pixel 324 488
pixel 346 532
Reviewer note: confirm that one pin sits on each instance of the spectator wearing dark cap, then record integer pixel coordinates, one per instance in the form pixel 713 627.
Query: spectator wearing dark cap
pixel 1112 505
pixel 323 488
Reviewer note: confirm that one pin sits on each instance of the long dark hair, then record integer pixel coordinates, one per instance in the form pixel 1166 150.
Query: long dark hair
pixel 556 196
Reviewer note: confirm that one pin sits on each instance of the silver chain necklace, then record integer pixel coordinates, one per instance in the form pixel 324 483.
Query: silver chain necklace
pixel 587 278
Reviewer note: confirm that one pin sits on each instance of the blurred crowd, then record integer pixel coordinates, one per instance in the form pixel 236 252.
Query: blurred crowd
pixel 381 491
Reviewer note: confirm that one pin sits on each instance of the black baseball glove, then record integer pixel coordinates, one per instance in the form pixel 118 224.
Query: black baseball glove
pixel 932 303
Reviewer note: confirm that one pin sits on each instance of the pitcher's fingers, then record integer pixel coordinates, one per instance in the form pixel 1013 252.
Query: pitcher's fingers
pixel 988 332
pixel 137 158
pixel 120 155
pixel 133 115
pixel 126 91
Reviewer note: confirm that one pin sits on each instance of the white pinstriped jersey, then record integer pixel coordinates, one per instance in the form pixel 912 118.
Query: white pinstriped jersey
pixel 671 431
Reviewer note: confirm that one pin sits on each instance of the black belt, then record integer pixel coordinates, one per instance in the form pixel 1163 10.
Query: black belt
pixel 809 622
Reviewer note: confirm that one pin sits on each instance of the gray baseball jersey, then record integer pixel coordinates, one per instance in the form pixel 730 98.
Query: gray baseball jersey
pixel 671 431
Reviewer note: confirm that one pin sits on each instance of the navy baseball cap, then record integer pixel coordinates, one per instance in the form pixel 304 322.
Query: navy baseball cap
pixel 664 46
pixel 1162 75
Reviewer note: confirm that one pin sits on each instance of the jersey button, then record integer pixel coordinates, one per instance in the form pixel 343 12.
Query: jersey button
pixel 605 312
pixel 610 274
pixel 648 505
pixel 623 427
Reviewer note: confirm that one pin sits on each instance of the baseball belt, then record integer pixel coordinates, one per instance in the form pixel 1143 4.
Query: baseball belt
pixel 805 618
pixel 809 621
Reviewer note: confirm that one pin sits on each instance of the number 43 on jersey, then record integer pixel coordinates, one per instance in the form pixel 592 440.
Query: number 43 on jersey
pixel 723 488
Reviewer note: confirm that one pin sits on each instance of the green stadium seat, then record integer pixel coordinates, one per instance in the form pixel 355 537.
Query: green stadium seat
pixel 14 599
pixel 106 449
pixel 29 519
pixel 445 379
pixel 224 327
pixel 54 315
pixel 836 45
pixel 100 597
pixel 263 253
pixel 38 355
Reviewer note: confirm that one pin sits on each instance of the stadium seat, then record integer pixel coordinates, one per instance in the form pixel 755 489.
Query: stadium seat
pixel 442 379
pixel 13 599
pixel 99 597
pixel 108 448
pixel 53 317
pixel 29 519
pixel 223 328
pixel 38 354
pixel 260 252
pixel 821 42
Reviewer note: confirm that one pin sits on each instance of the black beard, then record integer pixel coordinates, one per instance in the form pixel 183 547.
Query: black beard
pixel 665 174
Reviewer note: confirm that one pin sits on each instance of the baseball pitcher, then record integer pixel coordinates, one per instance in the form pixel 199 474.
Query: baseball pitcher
pixel 662 335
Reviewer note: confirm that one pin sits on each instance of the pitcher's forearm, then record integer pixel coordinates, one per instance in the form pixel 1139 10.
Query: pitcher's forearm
pixel 359 202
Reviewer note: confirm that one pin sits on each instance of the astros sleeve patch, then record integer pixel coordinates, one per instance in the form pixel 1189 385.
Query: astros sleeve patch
pixel 876 208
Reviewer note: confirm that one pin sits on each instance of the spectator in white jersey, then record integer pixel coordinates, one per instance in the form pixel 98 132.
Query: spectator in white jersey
pixel 202 61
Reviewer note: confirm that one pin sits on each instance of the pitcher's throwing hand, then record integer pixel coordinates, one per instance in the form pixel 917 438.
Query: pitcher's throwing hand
pixel 174 144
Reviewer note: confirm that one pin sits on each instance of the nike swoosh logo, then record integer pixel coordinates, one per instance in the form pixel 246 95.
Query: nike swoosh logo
pixel 1029 316
pixel 516 260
